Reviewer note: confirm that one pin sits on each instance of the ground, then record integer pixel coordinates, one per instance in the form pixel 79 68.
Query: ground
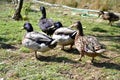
pixel 19 63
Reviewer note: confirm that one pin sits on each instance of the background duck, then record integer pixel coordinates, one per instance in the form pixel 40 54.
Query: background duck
pixel 37 41
pixel 45 24
pixel 86 45
pixel 64 36
pixel 111 17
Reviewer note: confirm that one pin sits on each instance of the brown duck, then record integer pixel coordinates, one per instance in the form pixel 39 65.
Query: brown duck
pixel 86 45
pixel 111 17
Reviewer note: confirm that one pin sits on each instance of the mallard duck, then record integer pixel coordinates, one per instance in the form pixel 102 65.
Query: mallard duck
pixel 45 24
pixel 64 36
pixel 86 45
pixel 55 26
pixel 37 41
pixel 111 17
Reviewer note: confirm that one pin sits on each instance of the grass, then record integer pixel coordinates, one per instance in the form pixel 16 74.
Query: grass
pixel 19 63
pixel 107 5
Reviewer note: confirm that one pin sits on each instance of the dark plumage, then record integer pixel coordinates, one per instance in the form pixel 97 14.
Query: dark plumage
pixel 111 17
pixel 37 41
pixel 55 26
pixel 87 45
pixel 45 24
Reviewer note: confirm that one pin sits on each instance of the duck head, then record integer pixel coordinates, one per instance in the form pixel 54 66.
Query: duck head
pixel 28 27
pixel 58 24
pixel 100 13
pixel 43 11
pixel 78 25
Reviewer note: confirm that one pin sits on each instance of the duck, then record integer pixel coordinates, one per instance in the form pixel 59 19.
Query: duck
pixel 46 24
pixel 110 16
pixel 65 36
pixel 87 45
pixel 55 26
pixel 37 41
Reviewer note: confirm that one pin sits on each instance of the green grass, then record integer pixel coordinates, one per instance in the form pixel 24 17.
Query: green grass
pixel 19 63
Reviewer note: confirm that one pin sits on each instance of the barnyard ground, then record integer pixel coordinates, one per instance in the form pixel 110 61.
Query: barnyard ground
pixel 19 63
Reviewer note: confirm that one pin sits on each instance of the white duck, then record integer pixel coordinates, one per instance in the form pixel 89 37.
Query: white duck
pixel 37 41
pixel 64 36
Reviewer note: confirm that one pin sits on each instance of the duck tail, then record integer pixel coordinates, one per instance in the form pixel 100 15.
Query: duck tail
pixel 73 35
pixel 100 51
pixel 53 43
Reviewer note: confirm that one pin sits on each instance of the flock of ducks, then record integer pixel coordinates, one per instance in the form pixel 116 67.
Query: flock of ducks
pixel 55 33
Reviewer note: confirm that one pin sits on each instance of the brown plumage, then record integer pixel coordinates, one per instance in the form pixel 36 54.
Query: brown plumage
pixel 86 45
pixel 111 17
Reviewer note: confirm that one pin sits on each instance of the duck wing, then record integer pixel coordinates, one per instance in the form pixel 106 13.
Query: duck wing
pixel 93 45
pixel 38 37
pixel 45 24
pixel 63 30
pixel 113 16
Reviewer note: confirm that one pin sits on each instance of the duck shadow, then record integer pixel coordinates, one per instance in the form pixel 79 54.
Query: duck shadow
pixel 116 25
pixel 73 51
pixel 107 65
pixel 97 29
pixel 108 38
pixel 6 46
pixel 103 56
pixel 54 58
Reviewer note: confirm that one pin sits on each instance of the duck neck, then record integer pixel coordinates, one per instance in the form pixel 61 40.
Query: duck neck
pixel 29 31
pixel 80 30
pixel 43 14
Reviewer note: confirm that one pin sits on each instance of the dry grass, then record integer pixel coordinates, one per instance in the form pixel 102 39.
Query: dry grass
pixel 91 4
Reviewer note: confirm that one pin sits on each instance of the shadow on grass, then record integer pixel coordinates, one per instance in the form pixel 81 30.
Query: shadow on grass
pixel 3 40
pixel 73 50
pixel 3 45
pixel 116 25
pixel 97 29
pixel 102 56
pixel 107 65
pixel 54 58
pixel 6 46
pixel 109 38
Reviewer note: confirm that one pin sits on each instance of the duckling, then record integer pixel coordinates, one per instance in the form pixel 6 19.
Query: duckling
pixel 111 17
pixel 45 24
pixel 37 41
pixel 64 36
pixel 86 45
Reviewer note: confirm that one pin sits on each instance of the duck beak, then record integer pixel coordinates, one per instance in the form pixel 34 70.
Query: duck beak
pixel 22 28
pixel 73 25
